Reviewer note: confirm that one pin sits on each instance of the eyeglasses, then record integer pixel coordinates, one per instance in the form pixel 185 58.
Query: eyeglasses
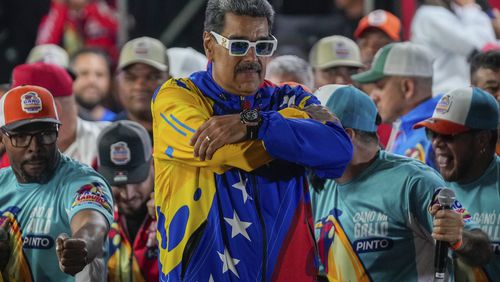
pixel 240 47
pixel 446 137
pixel 23 140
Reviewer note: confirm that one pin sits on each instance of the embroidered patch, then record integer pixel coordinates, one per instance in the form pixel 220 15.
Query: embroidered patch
pixel 377 18
pixel 341 50
pixel 119 153
pixel 92 194
pixel 416 152
pixel 141 48
pixel 31 103
pixel 120 176
pixel 444 105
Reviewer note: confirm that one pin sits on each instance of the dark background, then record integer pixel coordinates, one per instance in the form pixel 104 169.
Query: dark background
pixel 298 25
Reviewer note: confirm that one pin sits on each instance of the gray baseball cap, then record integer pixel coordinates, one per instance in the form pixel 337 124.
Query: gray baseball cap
pixel 124 153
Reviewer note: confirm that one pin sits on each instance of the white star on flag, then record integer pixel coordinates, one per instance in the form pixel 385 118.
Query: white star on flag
pixel 238 226
pixel 228 263
pixel 241 186
pixel 210 279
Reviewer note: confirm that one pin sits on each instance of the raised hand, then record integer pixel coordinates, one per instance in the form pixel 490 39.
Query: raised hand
pixel 220 130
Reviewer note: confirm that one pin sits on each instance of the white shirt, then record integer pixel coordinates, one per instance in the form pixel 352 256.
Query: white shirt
pixel 452 37
pixel 84 149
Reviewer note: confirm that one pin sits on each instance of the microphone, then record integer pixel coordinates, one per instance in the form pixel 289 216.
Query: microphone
pixel 445 198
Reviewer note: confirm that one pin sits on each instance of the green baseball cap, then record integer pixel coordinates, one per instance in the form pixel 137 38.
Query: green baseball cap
pixel 398 59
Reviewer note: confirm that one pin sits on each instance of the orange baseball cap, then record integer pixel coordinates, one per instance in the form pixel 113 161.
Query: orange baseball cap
pixel 27 104
pixel 383 20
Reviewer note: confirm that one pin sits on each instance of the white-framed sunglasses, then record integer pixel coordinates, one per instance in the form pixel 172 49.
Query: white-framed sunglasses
pixel 240 47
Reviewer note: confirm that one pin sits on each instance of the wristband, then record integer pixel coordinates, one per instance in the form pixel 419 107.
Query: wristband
pixel 457 245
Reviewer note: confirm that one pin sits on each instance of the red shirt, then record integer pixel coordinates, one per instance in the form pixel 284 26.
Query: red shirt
pixel 4 161
pixel 95 26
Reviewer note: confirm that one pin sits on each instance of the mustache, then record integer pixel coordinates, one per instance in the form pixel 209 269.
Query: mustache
pixel 248 67
pixel 35 159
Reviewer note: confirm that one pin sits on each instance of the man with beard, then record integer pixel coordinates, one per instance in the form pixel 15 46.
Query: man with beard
pixel 142 68
pixel 379 220
pixel 230 154
pixel 125 161
pixel 485 74
pixel 92 84
pixel 463 131
pixel 56 211
pixel 77 137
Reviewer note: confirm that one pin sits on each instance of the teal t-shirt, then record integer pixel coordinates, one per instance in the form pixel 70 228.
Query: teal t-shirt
pixel 40 212
pixel 482 199
pixel 377 227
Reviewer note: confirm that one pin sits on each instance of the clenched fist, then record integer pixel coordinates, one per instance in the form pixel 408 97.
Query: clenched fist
pixel 71 253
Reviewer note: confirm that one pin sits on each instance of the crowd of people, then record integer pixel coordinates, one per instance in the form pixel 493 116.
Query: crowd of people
pixel 358 163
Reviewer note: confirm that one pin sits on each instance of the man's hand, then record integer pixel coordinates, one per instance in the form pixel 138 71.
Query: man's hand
pixel 151 205
pixel 71 253
pixel 152 242
pixel 448 225
pixel 220 130
pixel 4 243
pixel 320 113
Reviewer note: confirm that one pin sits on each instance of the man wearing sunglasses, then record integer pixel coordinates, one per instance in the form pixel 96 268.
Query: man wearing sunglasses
pixel 55 213
pixel 230 154
pixel 463 132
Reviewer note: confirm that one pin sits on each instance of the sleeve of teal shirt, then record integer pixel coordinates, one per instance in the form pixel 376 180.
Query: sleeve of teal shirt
pixel 90 192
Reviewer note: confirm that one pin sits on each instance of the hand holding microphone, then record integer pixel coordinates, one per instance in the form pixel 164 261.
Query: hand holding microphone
pixel 447 230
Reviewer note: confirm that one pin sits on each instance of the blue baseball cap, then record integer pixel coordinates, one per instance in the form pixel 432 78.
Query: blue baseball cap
pixel 353 107
pixel 461 110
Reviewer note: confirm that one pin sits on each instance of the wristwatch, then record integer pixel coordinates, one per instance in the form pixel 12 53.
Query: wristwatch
pixel 252 119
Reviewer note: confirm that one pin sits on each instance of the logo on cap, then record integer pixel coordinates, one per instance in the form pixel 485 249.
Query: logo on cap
pixel 120 176
pixel 141 48
pixel 120 153
pixel 377 18
pixel 444 105
pixel 31 103
pixel 341 50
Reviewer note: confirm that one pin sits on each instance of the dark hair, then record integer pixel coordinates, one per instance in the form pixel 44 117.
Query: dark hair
pixel 95 51
pixel 366 137
pixel 217 10
pixel 487 60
